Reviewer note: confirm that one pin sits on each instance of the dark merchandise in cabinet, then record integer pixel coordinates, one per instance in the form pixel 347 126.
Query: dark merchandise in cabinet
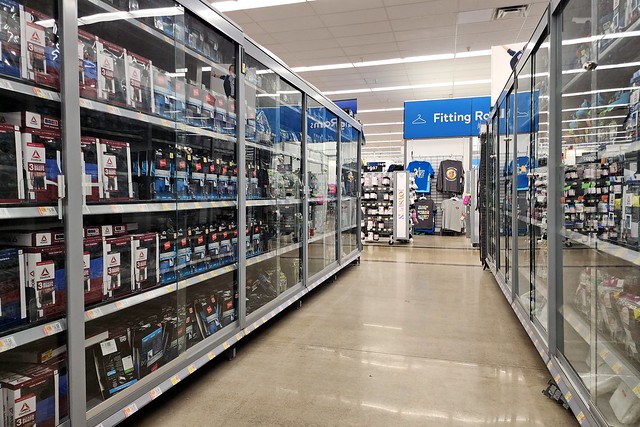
pixel 139 83
pixel 118 271
pixel 148 348
pixel 207 315
pixel 181 174
pixel 92 183
pixel 213 247
pixel 11 172
pixel 112 72
pixel 194 115
pixel 12 289
pixel 146 260
pixel 183 254
pixel 40 45
pixel 10 48
pixel 167 256
pixel 155 178
pixel 197 177
pixel 226 306
pixel 93 261
pixel 113 360
pixel 87 65
pixel 164 103
pixel 30 395
pixel 197 240
pixel 192 330
pixel 164 24
pixel 211 178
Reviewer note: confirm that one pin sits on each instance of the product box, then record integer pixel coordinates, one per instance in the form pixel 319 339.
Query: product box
pixel 118 272
pixel 87 65
pixel 148 348
pixel 113 359
pixel 10 46
pixel 11 172
pixel 112 72
pixel 41 54
pixel 139 83
pixel 210 179
pixel 174 332
pixel 213 247
pixel 46 276
pixel 226 251
pixel 164 24
pixel 32 238
pixel 154 180
pixel 164 103
pixel 93 261
pixel 146 260
pixel 114 162
pixel 41 154
pixel 197 177
pixel 184 253
pixel 181 99
pixel 167 256
pixel 92 182
pixel 12 289
pixel 207 316
pixel 181 168
pixel 30 396
pixel 194 99
pixel 113 230
pixel 208 110
pixel 192 330
pixel 198 242
pixel 226 306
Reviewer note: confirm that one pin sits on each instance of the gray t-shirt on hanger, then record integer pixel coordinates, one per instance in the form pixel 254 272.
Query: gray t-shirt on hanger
pixel 452 213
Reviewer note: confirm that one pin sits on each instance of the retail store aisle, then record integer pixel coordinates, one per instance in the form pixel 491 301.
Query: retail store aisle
pixel 412 336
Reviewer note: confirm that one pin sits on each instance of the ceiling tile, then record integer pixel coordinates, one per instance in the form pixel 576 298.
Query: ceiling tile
pixel 424 9
pixel 355 17
pixel 361 29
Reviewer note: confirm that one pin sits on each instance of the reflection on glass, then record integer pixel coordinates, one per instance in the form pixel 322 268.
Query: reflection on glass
pixel 350 185
pixel 322 181
pixel 600 196
pixel 505 184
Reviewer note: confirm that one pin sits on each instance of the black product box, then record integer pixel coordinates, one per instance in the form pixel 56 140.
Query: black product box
pixel 183 254
pixel 148 348
pixel 32 238
pixel 41 54
pixel 11 174
pixel 112 72
pixel 113 360
pixel 154 180
pixel 167 256
pixel 192 330
pixel 41 154
pixel 30 396
pixel 12 289
pixel 226 306
pixel 207 315
pixel 208 110
pixel 210 178
pixel 181 174
pixel 198 242
pixel 118 272
pixel 213 247
pixel 164 96
pixel 46 276
pixel 114 162
pixel 174 338
pixel 10 47
pixel 93 260
pixel 139 83
pixel 92 178
pixel 146 260
pixel 197 177
pixel 87 65
pixel 194 99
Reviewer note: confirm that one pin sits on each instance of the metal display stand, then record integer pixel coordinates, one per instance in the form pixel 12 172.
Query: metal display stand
pixel 402 225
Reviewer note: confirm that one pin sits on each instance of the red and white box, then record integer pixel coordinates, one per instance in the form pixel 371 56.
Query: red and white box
pixel 93 262
pixel 118 280
pixel 139 83
pixel 27 392
pixel 40 61
pixel 112 72
pixel 114 170
pixel 34 239
pixel 46 280
pixel 146 253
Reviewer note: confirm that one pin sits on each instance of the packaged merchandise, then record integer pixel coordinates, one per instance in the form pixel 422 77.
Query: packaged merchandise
pixel 167 256
pixel 180 101
pixel 197 240
pixel 194 99
pixel 164 101
pixel 148 348
pixel 174 332
pixel 192 330
pixel 226 307
pixel 208 110
pixel 197 177
pixel 181 174
pixel 10 47
pixel 114 364
pixel 184 252
pixel 41 61
pixel 118 272
pixel 11 173
pixel 625 404
pixel 12 289
pixel 87 65
pixel 213 247
pixel 155 177
pixel 210 178
pixel 207 315
pixel 164 24
pixel 112 72
pixel 111 230
pixel 92 178
pixel 139 83
pixel 46 276
pixel 30 395
pixel 41 154
pixel 114 161
pixel 32 238
pixel 146 255
pixel 93 261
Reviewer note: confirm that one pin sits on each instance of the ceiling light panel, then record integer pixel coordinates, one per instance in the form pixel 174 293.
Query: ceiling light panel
pixel 233 5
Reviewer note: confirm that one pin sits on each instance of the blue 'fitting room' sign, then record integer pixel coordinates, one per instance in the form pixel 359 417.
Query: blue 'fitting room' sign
pixel 445 118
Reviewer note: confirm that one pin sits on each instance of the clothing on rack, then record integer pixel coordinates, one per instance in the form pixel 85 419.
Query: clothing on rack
pixel 522 179
pixel 423 172
pixel 450 177
pixel 425 217
pixel 453 214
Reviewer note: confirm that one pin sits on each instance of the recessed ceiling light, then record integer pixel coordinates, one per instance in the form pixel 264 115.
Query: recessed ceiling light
pixel 230 6
pixel 408 87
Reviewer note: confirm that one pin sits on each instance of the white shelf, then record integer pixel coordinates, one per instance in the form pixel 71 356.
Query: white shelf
pixel 32 334
pixel 618 363
pixel 28 212
pixel 127 208
pixel 26 88
pixel 608 248
pixel 273 202
pixel 320 237
pixel 294 150
pixel 272 254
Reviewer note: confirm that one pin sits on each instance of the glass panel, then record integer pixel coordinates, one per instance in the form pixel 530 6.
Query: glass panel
pixel 504 158
pixel 492 190
pixel 160 187
pixel 33 283
pixel 322 181
pixel 274 189
pixel 350 185
pixel 601 210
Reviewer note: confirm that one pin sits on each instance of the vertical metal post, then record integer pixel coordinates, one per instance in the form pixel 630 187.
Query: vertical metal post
pixel 359 196
pixel 515 272
pixel 72 208
pixel 242 188
pixel 339 188
pixel 305 194
pixel 556 177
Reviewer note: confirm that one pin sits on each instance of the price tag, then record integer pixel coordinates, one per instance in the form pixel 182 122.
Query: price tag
pixel 239 336
pixel 617 367
pixel 139 116
pixel 636 390
pixel 568 396
pixel 557 378
pixel 7 343
pixel 255 325
pixel 211 355
pixel 52 329
pixel 225 345
pixel 175 380
pixel 114 110
pixel 47 211
pixel 192 368
pixel 604 354
pixel 153 394
pixel 165 123
pixel 92 314
pixel 130 410
pixel 264 320
pixel 580 417
pixel 4 213
pixel 122 304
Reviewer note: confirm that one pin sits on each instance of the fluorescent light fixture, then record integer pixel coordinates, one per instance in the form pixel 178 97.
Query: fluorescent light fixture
pixel 595 118
pixel 593 92
pixel 120 15
pixel 230 6
pixel 408 87
pixel 381 110
pixel 610 127
pixel 205 69
pixel 382 134
pixel 593 108
pixel 267 95
pixel 598 37
pixel 322 67
pixel 384 124
pixel 472 82
pixel 473 53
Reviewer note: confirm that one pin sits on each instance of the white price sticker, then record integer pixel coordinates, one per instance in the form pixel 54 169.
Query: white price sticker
pixel 153 394
pixel 130 410
pixel 52 329
pixel 7 344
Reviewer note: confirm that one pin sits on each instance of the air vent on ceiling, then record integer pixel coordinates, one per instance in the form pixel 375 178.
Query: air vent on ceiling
pixel 510 12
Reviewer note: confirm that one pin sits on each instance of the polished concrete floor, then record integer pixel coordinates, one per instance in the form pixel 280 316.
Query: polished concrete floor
pixel 415 335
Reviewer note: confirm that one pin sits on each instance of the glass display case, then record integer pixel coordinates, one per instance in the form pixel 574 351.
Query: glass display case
pixel 155 175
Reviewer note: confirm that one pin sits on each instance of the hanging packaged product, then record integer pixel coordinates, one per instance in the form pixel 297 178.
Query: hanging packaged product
pixel 192 330
pixel 226 253
pixel 148 348
pixel 30 395
pixel 167 256
pixel 92 178
pixel 213 247
pixel 114 161
pixel 41 154
pixel 197 187
pixel 181 174
pixel 210 178
pixel 193 113
pixel 93 261
pixel 112 72
pixel 139 83
pixel 183 254
pixel 226 306
pixel 13 294
pixel 164 103
pixel 180 100
pixel 46 276
pixel 113 360
pixel 10 48
pixel 207 316
pixel 118 272
pixel 208 110
pixel 87 65
pixel 146 260
pixel 197 240
pixel 41 63
pixel 11 173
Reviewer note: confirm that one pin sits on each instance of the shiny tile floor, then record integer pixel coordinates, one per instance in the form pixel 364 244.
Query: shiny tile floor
pixel 413 336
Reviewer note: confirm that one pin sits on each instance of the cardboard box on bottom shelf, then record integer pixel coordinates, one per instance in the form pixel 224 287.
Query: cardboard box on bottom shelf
pixel 30 395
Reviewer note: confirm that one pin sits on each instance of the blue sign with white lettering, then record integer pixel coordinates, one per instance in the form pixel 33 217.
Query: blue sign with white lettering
pixel 528 113
pixel 445 118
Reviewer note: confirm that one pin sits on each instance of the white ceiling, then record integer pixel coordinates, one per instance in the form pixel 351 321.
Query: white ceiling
pixel 322 32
